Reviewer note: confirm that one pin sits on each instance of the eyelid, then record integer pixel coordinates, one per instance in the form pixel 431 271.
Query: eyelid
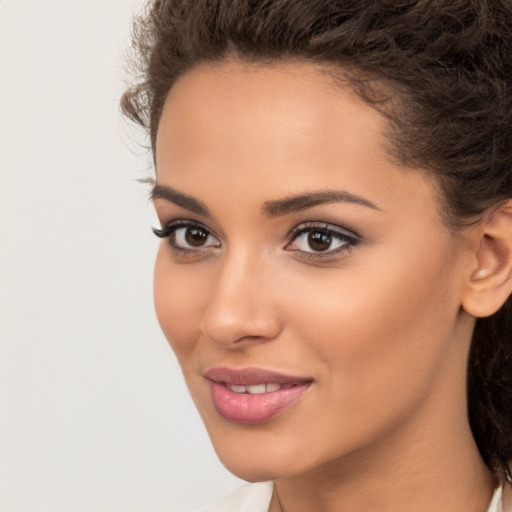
pixel 171 226
pixel 327 226
pixel 169 230
pixel 350 237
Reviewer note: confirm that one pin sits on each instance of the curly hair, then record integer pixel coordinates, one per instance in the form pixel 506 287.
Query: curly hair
pixel 441 72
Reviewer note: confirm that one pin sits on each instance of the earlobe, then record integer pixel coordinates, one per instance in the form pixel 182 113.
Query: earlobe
pixel 490 280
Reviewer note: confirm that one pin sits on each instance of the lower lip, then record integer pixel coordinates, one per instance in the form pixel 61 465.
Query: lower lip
pixel 252 409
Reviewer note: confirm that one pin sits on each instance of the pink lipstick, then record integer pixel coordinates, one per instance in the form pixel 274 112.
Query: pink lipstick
pixel 253 395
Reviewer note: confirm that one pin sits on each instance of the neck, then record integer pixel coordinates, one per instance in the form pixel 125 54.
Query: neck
pixel 428 462
pixel 447 476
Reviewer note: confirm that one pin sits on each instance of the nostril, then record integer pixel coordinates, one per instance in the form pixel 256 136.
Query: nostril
pixel 240 305
pixel 240 325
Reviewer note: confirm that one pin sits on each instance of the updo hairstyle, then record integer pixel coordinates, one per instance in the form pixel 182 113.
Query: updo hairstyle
pixel 440 71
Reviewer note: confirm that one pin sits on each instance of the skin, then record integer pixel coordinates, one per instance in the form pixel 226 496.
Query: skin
pixel 379 326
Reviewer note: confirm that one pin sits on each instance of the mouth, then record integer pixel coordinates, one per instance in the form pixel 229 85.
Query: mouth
pixel 258 389
pixel 253 395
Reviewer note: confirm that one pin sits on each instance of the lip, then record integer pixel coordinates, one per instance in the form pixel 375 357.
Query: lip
pixel 251 375
pixel 246 408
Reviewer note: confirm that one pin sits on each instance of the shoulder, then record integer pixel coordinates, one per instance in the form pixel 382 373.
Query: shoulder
pixel 249 498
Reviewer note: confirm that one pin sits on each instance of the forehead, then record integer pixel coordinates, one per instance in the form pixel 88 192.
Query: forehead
pixel 257 99
pixel 275 130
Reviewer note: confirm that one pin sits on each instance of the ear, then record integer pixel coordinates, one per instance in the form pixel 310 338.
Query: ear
pixel 490 281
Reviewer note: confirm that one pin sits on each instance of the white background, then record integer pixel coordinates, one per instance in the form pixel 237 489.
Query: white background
pixel 94 415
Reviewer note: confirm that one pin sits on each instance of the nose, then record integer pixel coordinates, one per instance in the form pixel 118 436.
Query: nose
pixel 240 307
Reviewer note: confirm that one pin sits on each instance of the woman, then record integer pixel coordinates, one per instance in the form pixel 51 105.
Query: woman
pixel 333 182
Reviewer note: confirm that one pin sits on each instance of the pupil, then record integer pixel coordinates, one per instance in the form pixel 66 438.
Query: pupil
pixel 196 236
pixel 319 241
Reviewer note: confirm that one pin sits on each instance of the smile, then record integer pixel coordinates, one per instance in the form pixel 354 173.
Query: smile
pixel 257 389
pixel 251 396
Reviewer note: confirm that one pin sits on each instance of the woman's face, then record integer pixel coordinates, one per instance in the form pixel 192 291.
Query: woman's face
pixel 307 285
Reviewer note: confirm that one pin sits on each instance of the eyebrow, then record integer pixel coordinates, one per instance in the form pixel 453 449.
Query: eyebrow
pixel 311 199
pixel 274 208
pixel 180 199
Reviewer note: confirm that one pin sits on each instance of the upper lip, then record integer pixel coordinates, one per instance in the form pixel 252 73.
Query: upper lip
pixel 251 376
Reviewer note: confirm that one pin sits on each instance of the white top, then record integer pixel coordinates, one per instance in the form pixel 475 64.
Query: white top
pixel 256 498
pixel 249 498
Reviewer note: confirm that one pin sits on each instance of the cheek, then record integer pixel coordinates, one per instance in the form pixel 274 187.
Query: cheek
pixel 380 327
pixel 178 298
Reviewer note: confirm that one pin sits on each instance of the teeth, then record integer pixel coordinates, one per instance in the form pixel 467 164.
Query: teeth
pixel 256 389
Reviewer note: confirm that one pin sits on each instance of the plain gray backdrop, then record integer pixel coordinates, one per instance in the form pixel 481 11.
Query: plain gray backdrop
pixel 94 415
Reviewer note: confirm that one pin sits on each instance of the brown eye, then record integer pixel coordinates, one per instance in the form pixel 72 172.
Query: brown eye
pixel 322 240
pixel 319 241
pixel 191 237
pixel 196 236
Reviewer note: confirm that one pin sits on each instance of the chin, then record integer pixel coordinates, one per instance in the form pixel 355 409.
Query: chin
pixel 260 458
pixel 252 474
pixel 255 471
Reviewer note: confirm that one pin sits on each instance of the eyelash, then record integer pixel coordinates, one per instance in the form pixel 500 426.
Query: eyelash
pixel 170 229
pixel 334 233
pixel 349 239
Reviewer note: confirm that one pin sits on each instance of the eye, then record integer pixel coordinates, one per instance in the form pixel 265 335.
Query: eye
pixel 320 239
pixel 187 236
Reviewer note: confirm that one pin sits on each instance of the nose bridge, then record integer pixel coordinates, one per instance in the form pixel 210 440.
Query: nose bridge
pixel 240 303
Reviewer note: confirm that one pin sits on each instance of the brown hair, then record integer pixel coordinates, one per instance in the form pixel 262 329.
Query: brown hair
pixel 449 63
